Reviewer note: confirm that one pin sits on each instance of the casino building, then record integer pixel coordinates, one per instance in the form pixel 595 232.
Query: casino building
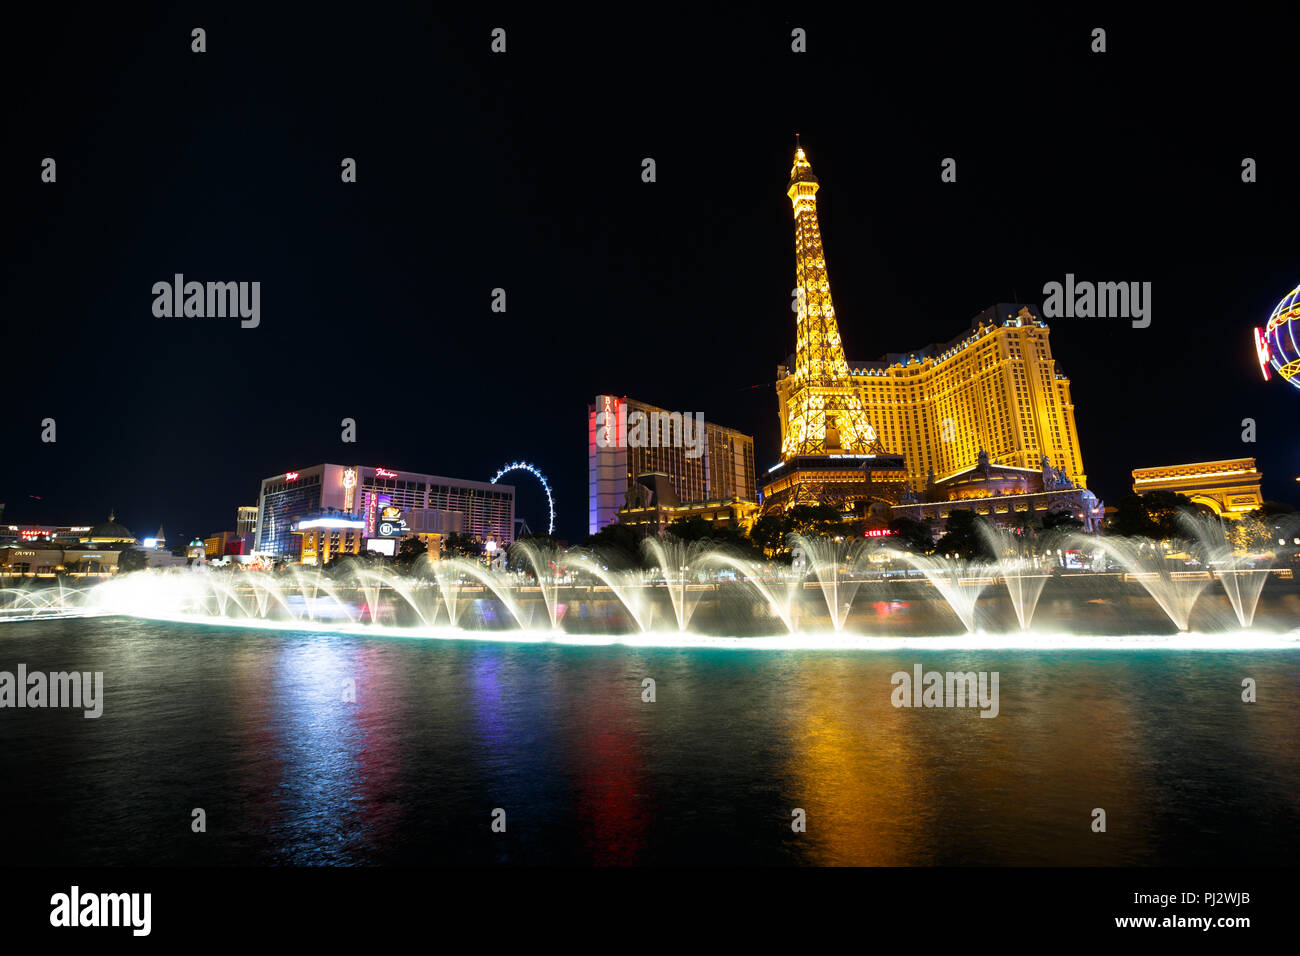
pixel 432 504
pixel 863 435
pixel 661 473
pixel 995 388
pixel 328 535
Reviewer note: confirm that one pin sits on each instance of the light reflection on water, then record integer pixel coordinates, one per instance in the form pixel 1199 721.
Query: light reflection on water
pixel 253 727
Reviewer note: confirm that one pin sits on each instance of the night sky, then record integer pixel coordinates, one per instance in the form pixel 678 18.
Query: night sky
pixel 523 171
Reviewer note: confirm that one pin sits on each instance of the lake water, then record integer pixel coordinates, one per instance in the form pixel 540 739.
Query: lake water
pixel 252 727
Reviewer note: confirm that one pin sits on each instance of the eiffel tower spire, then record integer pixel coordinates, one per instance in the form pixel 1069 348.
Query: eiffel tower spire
pixel 824 413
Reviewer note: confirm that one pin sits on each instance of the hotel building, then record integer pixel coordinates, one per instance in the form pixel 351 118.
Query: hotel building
pixel 221 543
pixel 432 504
pixel 246 521
pixel 994 388
pixel 722 471
pixel 854 433
pixel 28 533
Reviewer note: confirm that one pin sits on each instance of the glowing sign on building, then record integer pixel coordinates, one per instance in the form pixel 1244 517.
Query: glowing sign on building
pixel 1281 339
pixel 331 522
pixel 391 522
pixel 349 488
pixel 385 473
pixel 878 533
pixel 290 476
pixel 614 425
pixel 1261 352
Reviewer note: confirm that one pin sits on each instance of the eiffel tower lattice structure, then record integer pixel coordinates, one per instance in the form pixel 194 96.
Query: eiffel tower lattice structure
pixel 825 414
pixel 824 423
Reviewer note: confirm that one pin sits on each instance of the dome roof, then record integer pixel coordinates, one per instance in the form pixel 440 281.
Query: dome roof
pixel 109 530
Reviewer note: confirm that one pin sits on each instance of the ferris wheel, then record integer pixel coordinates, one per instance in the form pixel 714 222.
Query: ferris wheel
pixel 537 473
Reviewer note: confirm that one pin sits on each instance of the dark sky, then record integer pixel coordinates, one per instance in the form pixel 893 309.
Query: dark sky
pixel 522 171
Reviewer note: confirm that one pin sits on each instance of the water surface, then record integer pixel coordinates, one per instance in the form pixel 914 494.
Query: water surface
pixel 253 727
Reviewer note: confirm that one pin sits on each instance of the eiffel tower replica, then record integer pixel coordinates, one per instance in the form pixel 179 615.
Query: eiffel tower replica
pixel 830 453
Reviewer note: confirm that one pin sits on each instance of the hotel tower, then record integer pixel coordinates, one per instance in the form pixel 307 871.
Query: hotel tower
pixel 857 431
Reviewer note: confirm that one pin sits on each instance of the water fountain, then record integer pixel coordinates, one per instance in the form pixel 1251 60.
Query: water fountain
pixel 627 586
pixel 1145 561
pixel 430 597
pixel 545 562
pixel 834 562
pixel 404 587
pixel 675 563
pixel 1016 555
pixel 25 602
pixel 1242 575
pixel 447 576
pixel 778 587
pixel 497 583
pixel 960 582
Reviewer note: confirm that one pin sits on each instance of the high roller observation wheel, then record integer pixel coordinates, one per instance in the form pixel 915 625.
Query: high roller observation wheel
pixel 537 473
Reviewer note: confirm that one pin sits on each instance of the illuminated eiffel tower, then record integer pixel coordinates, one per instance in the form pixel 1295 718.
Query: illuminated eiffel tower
pixel 830 453
pixel 824 412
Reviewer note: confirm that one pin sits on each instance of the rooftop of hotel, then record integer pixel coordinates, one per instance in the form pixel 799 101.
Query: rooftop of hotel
pixel 1002 315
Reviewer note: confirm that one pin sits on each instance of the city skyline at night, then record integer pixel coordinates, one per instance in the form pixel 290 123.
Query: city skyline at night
pixel 647 439
pixel 913 261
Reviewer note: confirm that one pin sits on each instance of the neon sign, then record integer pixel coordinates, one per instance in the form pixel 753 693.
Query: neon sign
pixel 290 476
pixel 615 424
pixel 1262 353
pixel 331 523
pixel 878 533
pixel 1281 339
pixel 385 473
pixel 349 488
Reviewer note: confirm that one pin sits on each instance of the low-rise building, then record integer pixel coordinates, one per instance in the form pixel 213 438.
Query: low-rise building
pixel 326 535
pixel 1004 494
pixel 221 543
pixel 652 504
pixel 30 561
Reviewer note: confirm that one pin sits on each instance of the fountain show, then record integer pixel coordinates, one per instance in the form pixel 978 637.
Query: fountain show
pixel 507 461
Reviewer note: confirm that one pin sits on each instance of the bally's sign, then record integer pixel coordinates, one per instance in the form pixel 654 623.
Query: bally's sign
pixel 390 523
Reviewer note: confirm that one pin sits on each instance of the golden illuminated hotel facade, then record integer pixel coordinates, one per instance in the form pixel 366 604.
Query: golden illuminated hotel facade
pixel 997 388
pixel 857 432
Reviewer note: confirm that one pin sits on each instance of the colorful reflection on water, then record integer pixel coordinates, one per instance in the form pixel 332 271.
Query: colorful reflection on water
pixel 333 749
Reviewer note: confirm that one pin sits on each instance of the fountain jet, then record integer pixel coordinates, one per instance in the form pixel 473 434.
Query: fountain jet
pixel 1018 566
